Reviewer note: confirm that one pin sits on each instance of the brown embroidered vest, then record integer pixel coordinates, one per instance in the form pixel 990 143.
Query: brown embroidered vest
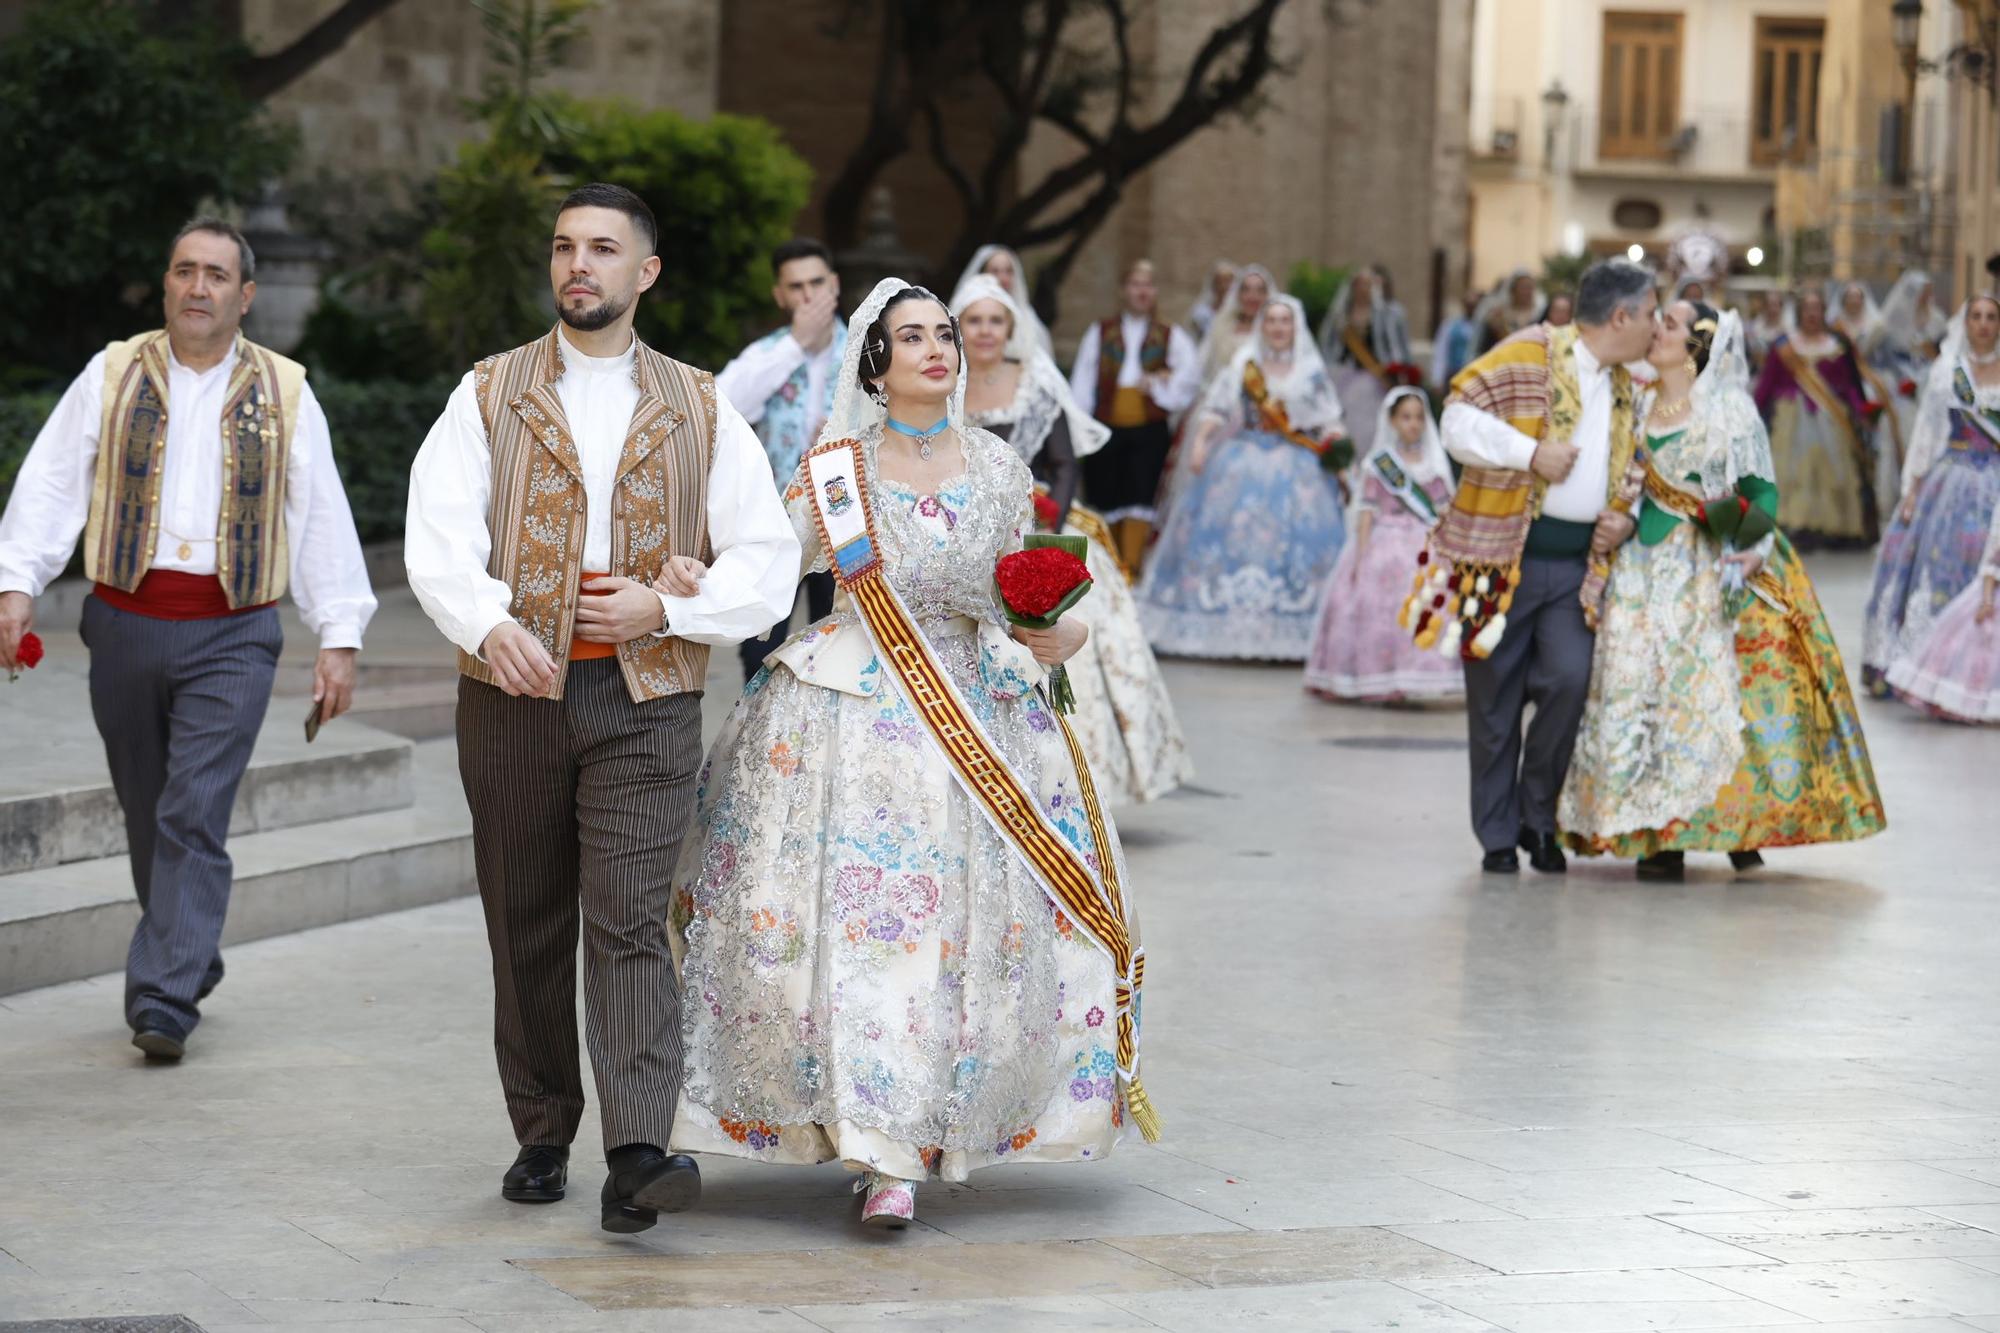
pixel 537 513
pixel 1111 360
pixel 259 413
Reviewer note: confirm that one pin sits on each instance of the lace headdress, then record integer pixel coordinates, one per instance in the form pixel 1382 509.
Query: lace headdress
pixel 1025 319
pixel 856 414
pixel 1836 311
pixel 1724 411
pixel 1383 336
pixel 1910 317
pixel 1302 385
pixel 1431 460
pixel 1046 393
pixel 1224 323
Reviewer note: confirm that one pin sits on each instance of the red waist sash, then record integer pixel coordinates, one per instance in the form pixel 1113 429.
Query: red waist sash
pixel 169 594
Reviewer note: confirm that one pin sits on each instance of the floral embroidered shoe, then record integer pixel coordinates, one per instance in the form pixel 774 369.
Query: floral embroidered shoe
pixel 887 1202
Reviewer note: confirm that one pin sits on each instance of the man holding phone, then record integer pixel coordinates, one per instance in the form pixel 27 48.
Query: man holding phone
pixel 197 467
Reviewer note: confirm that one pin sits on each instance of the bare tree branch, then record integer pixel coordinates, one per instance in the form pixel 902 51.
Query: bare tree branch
pixel 262 76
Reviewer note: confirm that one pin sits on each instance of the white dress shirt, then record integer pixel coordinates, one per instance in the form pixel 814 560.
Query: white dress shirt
pixel 51 499
pixel 446 541
pixel 1479 439
pixel 1183 366
pixel 761 369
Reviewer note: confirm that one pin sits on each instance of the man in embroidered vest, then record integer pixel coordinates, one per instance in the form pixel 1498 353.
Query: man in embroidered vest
pixel 1132 372
pixel 783 386
pixel 1546 428
pixel 198 469
pixel 563 478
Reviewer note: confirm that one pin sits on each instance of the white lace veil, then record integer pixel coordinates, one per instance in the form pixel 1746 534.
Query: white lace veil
pixel 1385 339
pixel 1224 324
pixel 1025 319
pixel 1047 393
pixel 1932 430
pixel 856 414
pixel 1871 313
pixel 1431 461
pixel 1303 386
pixel 1726 413
pixel 1910 317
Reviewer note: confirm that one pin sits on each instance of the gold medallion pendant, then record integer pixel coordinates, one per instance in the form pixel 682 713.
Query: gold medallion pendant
pixel 185 552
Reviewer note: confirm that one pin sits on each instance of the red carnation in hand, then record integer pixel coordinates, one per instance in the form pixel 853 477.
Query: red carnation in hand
pixel 1047 511
pixel 1908 388
pixel 1036 581
pixel 27 655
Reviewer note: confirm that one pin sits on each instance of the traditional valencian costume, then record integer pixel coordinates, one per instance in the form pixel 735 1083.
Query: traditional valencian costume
pixel 1360 347
pixel 906 924
pixel 1362 651
pixel 1252 535
pixel 1954 673
pixel 1953 469
pixel 1718 720
pixel 1810 394
pixel 1033 331
pixel 1124 716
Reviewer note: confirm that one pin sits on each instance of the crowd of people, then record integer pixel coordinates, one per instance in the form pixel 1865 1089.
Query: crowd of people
pixel 886 920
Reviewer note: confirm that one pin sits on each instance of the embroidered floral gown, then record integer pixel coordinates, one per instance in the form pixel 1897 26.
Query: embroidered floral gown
pixel 1124 716
pixel 1924 563
pixel 870 973
pixel 1713 723
pixel 1251 538
pixel 1954 671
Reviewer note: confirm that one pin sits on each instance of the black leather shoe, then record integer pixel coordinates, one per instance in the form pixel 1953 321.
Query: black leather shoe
pixel 160 1038
pixel 539 1175
pixel 635 1197
pixel 1663 865
pixel 1746 860
pixel 1544 851
pixel 1500 863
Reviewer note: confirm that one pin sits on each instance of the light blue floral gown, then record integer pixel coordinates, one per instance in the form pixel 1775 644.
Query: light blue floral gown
pixel 870 973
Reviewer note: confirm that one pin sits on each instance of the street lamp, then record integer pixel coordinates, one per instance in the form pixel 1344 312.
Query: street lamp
pixel 1907 18
pixel 1554 99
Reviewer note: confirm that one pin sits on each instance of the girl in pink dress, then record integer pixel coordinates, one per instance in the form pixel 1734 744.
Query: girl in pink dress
pixel 1955 672
pixel 1404 484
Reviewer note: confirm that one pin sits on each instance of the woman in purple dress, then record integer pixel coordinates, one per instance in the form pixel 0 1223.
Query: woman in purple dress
pixel 1811 398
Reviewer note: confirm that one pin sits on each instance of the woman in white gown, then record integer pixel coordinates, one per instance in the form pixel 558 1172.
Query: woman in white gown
pixel 1124 716
pixel 1005 267
pixel 874 964
pixel 1256 526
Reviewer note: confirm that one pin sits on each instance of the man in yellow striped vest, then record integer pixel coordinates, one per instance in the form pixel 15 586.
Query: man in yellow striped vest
pixel 198 468
pixel 564 477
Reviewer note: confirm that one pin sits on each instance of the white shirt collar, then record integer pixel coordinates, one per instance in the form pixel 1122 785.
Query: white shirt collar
pixel 1587 365
pixel 175 363
pixel 598 365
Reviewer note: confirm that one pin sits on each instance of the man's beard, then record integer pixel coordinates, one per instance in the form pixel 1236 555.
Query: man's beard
pixel 600 316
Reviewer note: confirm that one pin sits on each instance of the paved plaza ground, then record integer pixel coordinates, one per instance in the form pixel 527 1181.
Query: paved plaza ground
pixel 1398 1094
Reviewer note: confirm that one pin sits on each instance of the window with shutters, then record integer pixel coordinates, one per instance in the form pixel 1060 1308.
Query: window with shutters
pixel 1784 103
pixel 1640 101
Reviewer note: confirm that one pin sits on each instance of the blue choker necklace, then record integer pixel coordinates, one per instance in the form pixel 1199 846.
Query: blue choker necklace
pixel 921 436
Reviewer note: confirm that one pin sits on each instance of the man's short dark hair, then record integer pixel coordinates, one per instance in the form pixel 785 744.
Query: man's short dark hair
pixel 1608 286
pixel 800 247
pixel 602 194
pixel 246 261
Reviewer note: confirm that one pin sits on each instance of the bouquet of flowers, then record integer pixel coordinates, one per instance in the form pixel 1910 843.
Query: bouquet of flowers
pixel 1738 525
pixel 1402 374
pixel 1047 511
pixel 27 655
pixel 1037 584
pixel 1908 388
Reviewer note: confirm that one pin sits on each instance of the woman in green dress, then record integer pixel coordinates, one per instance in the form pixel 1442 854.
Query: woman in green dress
pixel 1719 716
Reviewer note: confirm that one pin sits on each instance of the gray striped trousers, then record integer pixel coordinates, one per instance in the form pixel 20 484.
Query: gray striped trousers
pixel 179 704
pixel 579 806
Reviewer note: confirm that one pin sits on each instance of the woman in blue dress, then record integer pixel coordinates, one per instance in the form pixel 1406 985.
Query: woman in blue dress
pixel 1254 534
pixel 1951 483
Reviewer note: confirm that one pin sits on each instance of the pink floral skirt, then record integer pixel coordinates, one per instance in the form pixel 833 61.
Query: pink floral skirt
pixel 1955 672
pixel 1358 650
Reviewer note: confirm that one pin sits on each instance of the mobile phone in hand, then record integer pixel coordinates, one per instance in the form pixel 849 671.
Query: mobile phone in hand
pixel 312 722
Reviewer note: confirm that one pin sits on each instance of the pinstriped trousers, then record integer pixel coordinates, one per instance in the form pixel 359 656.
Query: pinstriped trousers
pixel 579 806
pixel 179 704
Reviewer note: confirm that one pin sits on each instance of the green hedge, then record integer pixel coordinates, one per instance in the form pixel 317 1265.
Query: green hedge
pixel 376 426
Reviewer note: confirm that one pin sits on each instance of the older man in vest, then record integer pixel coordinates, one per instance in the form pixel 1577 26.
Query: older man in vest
pixel 563 479
pixel 1132 372
pixel 198 469
pixel 783 386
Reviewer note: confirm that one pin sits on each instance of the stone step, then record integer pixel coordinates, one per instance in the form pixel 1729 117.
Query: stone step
pixel 65 922
pixel 57 804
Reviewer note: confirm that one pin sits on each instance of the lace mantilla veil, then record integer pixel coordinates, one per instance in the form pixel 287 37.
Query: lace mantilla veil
pixel 1433 462
pixel 1303 387
pixel 1025 319
pixel 856 414
pixel 1044 394
pixel 1226 313
pixel 1726 414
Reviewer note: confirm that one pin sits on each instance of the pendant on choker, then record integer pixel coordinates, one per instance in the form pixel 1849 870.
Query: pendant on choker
pixel 922 435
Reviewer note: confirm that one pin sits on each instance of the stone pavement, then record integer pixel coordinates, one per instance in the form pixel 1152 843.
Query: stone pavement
pixel 1398 1096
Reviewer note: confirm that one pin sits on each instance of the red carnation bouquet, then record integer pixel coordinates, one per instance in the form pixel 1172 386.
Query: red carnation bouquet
pixel 26 656
pixel 1908 388
pixel 1047 511
pixel 1036 585
pixel 1401 374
